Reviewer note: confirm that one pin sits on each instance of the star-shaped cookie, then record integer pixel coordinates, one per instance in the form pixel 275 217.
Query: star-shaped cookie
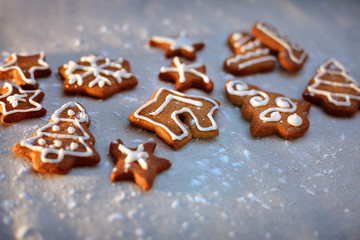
pixel 139 164
pixel 25 69
pixel 186 75
pixel 17 104
pixel 178 46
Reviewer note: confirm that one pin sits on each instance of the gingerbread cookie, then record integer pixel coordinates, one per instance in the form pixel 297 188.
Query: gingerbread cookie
pixel 334 89
pixel 186 75
pixel 251 55
pixel 291 56
pixel 97 76
pixel 176 117
pixel 138 163
pixel 25 69
pixel 63 143
pixel 178 46
pixel 17 104
pixel 269 112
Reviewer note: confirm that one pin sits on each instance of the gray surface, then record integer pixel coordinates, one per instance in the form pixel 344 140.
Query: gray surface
pixel 233 186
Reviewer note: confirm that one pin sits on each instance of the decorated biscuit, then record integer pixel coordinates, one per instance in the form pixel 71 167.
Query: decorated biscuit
pixel 139 164
pixel 97 76
pixel 177 46
pixel 251 56
pixel 17 104
pixel 25 69
pixel 186 75
pixel 334 89
pixel 291 56
pixel 176 117
pixel 269 112
pixel 63 143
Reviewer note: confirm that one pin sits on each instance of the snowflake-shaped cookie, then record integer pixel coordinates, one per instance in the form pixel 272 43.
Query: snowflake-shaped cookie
pixel 97 76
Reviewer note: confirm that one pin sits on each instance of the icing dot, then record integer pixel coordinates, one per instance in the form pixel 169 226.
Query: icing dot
pixel 41 141
pixel 73 146
pixel 70 112
pixel 71 130
pixel 294 120
pixel 55 128
pixel 57 143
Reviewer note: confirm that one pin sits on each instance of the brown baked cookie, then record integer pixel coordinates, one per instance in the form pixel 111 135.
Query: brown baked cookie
pixel 25 69
pixel 186 75
pixel 63 143
pixel 269 112
pixel 97 76
pixel 177 46
pixel 139 164
pixel 334 89
pixel 251 55
pixel 291 56
pixel 17 104
pixel 176 117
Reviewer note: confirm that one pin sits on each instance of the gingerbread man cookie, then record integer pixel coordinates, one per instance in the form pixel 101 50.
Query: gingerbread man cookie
pixel 138 163
pixel 176 117
pixel 97 76
pixel 291 56
pixel 178 46
pixel 251 55
pixel 269 112
pixel 186 75
pixel 17 104
pixel 334 89
pixel 25 69
pixel 63 143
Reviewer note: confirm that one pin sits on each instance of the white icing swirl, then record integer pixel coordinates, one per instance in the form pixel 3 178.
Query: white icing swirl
pixel 284 104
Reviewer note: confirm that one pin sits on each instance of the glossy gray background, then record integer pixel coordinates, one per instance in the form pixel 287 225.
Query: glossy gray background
pixel 233 186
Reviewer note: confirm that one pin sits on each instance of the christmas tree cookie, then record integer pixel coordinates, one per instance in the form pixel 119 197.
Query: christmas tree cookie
pixel 334 89
pixel 63 143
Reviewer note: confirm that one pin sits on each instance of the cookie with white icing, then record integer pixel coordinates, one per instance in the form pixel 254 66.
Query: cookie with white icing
pixel 138 164
pixel 334 89
pixel 176 117
pixel 180 45
pixel 63 143
pixel 291 55
pixel 97 76
pixel 25 69
pixel 17 104
pixel 186 75
pixel 269 112
pixel 251 56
